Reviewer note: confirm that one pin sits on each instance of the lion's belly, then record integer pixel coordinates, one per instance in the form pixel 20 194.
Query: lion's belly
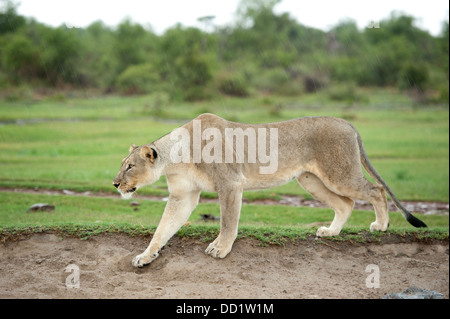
pixel 261 181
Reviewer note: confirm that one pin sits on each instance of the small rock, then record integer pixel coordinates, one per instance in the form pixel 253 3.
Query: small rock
pixel 436 212
pixel 209 217
pixel 135 204
pixel 41 207
pixel 68 192
pixel 414 293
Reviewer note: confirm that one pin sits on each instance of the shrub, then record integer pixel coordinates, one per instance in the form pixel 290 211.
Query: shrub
pixel 138 79
pixel 20 58
pixel 232 84
pixel 344 92
pixel 191 77
pixel 413 76
pixel 270 81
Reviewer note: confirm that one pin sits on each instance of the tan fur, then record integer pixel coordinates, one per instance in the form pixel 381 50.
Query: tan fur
pixel 323 153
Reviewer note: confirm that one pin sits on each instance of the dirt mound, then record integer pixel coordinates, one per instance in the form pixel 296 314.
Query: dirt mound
pixel 47 266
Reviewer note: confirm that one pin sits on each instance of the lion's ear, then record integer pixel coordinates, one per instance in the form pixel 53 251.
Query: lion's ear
pixel 132 148
pixel 149 153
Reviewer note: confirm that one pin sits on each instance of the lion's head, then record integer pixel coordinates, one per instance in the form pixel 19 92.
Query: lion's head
pixel 138 169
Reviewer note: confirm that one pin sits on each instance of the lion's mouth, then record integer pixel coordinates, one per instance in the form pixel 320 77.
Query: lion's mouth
pixel 127 194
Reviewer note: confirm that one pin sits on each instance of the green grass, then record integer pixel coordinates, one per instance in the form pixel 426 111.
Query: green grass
pixel 98 210
pixel 78 144
pixel 263 235
pixel 411 155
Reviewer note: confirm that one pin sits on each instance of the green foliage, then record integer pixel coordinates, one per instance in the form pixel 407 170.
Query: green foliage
pixel 10 21
pixel 141 78
pixel 192 74
pixel 413 76
pixel 19 58
pixel 232 84
pixel 264 52
pixel 344 92
pixel 59 53
pixel 100 66
pixel 130 44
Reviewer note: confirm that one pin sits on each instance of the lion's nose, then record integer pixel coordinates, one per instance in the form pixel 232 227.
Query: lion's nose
pixel 116 185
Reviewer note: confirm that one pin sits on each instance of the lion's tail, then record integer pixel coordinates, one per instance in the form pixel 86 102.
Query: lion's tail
pixel 372 172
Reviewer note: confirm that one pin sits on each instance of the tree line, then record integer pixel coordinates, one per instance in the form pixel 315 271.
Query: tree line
pixel 262 52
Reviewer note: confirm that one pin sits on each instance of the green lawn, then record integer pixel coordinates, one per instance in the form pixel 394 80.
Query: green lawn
pixel 78 144
pixel 408 147
pixel 97 210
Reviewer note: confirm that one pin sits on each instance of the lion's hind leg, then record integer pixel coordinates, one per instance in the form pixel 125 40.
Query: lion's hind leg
pixel 360 188
pixel 341 205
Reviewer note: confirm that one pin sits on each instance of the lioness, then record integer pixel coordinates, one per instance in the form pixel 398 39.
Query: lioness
pixel 324 154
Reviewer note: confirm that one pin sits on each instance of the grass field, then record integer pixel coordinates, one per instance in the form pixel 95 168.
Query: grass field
pixel 78 143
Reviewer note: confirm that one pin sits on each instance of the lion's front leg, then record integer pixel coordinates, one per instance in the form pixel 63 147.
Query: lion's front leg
pixel 230 209
pixel 176 214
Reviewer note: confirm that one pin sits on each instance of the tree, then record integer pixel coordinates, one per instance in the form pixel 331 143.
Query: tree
pixel 413 76
pixel 248 10
pixel 10 21
pixel 20 58
pixel 128 44
pixel 99 66
pixel 186 61
pixel 58 54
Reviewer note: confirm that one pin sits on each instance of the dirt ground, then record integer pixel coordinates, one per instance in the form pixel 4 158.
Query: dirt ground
pixel 36 268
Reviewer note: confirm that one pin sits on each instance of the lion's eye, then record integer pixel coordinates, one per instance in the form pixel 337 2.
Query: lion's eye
pixel 129 167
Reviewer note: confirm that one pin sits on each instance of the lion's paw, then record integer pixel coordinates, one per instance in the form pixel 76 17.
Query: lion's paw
pixel 143 259
pixel 217 250
pixel 377 226
pixel 326 232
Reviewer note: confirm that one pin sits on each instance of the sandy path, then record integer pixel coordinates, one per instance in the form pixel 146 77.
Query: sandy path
pixel 35 268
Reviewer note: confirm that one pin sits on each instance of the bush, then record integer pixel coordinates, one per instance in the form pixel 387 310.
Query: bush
pixel 20 58
pixel 346 69
pixel 196 93
pixel 58 54
pixel 271 80
pixel 345 92
pixel 191 76
pixel 232 84
pixel 278 81
pixel 138 79
pixel 413 76
pixel 313 83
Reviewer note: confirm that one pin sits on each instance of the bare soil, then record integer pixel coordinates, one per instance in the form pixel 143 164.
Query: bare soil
pixel 35 267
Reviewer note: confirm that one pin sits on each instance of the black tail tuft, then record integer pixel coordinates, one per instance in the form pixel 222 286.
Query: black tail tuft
pixel 415 221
